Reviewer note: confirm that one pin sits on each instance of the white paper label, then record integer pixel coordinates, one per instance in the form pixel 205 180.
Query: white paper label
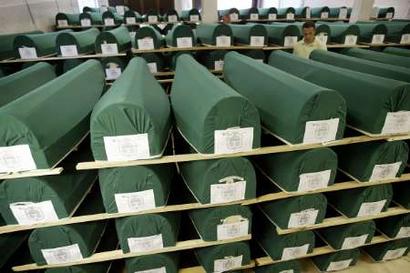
pixel 130 20
pixel 290 41
pixel 294 252
pixel 385 171
pixel 62 23
pixel 219 65
pixel 377 39
pixel 69 50
pixel 303 218
pixel 61 255
pixel 152 19
pixel 254 16
pixel 234 16
pixel 405 39
pixel 307 13
pixel 152 67
pixel 109 49
pixel 290 16
pixel 148 243
pixel 350 40
pixel 16 158
pixel 120 10
pixel 223 193
pixel 371 208
pixel 233 140
pixel 184 42
pixel 223 41
pixel 146 43
pixel 127 147
pixel 403 232
pixel 354 242
pixel 194 18
pixel 135 201
pixel 389 15
pixel 172 18
pixel 228 263
pixel 28 53
pixel 339 265
pixel 257 41
pixel 233 230
pixel 272 16
pixel 27 213
pixel 287 271
pixel 109 22
pixel 394 254
pixel 342 13
pixel 85 22
pixel 112 73
pixel 396 122
pixel 324 15
pixel 155 270
pixel 314 181
pixel 321 130
pixel 322 38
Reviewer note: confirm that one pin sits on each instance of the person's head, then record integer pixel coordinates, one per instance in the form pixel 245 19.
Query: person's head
pixel 309 32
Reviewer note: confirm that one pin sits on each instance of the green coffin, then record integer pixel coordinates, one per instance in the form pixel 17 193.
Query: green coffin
pixel 192 15
pixel 278 33
pixel 402 194
pixel 211 34
pixel 228 12
pixel 85 268
pixel 251 34
pixel 267 13
pixel 301 170
pixel 82 40
pixel 379 57
pixel 213 60
pixel 382 12
pixel 119 36
pixel 180 36
pixel 151 16
pixel 146 187
pixel 340 31
pixel 11 242
pixel 132 17
pixel 222 223
pixel 388 250
pixel 24 81
pixel 382 95
pixel 89 9
pixel 372 161
pixel 282 12
pixel 154 60
pixel 113 67
pixel 319 12
pixel 71 19
pixel 258 55
pixel 44 43
pixel 397 51
pixel 205 107
pixel 302 12
pixel 148 32
pixel 365 66
pixel 395 226
pixel 208 180
pixel 168 262
pixel 224 257
pixel 132 120
pixel 171 16
pixel 94 17
pixel 282 111
pixel 336 261
pixel 118 19
pixel 396 30
pixel 45 119
pixel 7 44
pixel 349 236
pixel 297 211
pixel 283 267
pixel 248 14
pixel 147 232
pixel 367 31
pixel 82 238
pixel 323 29
pixel 69 64
pixel 335 12
pixel 362 202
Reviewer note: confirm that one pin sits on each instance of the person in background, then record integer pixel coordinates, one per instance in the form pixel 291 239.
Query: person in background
pixel 304 47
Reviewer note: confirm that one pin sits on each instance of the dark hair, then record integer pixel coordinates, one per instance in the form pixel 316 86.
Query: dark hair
pixel 309 24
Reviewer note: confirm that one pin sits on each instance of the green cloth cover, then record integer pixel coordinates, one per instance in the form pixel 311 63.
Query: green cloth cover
pixel 316 12
pixel 397 51
pixel 209 58
pixel 179 31
pixel 282 12
pixel 378 57
pixel 283 267
pixel 149 32
pixel 186 14
pixel 339 31
pixel 256 54
pixel 388 250
pixel 301 12
pixel 118 19
pixel 264 12
pixel 170 12
pixel 382 12
pixel 150 13
pixel 335 260
pixel 89 9
pixel 397 226
pixel 208 33
pixel 396 29
pixel 335 12
pixel 70 64
pixel 83 40
pixel 112 62
pixel 156 58
pixel 132 14
pixel 119 36
pixel 402 194
pixel 95 17
pixel 243 33
pixel 278 32
pixel 368 30
pixel 151 262
pixel 73 19
pixel 7 44
pixel 222 13
pixel 245 14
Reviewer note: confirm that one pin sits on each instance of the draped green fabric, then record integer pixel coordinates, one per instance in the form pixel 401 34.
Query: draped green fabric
pixel 323 29
pixel 149 32
pixel 24 81
pixel 156 58
pixel 7 44
pixel 73 19
pixel 132 108
pixel 338 236
pixel 316 12
pixel 397 51
pixel 285 102
pixel 380 252
pixel 156 178
pixel 396 29
pixel 11 242
pixel 45 119
pixel 199 176
pixel 119 36
pixel 283 267
pixel 282 12
pixel 150 262
pixel 359 160
pixel 382 12
pixel 301 12
pixel 203 104
pixel 112 63
pixel 165 225
pixel 222 13
pixel 69 64
pixel 118 19
pixel 381 95
pixel 243 33
pixel 208 33
pixel 335 12
pixel 83 40
pixel 44 43
pixel 152 13
pixel 208 255
pixel 207 221
pixel 402 194
pixel 379 57
pixel 256 54
pixel 365 66
pixel 210 59
pixel 89 9
pixel 278 32
pixel 171 12
pixel 177 32
pixel 339 31
pixel 84 268
pixel 281 212
pixel 323 262
pixel 264 12
pixel 132 14
pixel 85 235
pixel 394 226
pixel 300 170
pixel 368 30
pixel 245 14
pixel 349 202
pixel 95 17
pixel 186 14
